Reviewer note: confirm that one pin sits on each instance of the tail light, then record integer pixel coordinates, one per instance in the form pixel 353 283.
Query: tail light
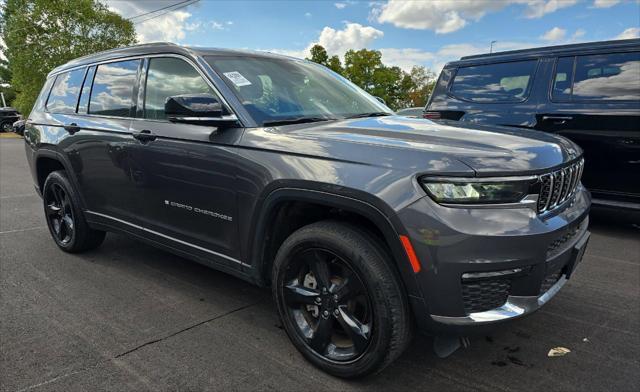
pixel 431 115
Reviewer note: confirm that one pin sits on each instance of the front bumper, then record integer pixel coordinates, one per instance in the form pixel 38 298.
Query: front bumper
pixel 536 255
pixel 517 306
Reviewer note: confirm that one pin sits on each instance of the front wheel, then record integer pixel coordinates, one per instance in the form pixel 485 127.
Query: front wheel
pixel 340 300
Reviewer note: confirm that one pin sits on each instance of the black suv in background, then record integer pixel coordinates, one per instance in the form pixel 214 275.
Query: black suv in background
pixel 7 117
pixel 589 93
pixel 281 172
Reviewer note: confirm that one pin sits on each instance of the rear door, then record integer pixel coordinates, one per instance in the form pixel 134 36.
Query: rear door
pixel 98 146
pixel 185 174
pixel 595 101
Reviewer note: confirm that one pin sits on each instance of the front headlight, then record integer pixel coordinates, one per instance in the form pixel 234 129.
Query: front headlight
pixel 474 192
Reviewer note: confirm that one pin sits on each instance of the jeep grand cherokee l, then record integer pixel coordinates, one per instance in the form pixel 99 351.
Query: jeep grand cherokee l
pixel 588 93
pixel 279 171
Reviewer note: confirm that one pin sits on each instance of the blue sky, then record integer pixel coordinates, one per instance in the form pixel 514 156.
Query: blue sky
pixel 427 33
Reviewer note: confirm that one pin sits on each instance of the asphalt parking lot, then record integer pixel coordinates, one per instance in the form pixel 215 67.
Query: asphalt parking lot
pixel 131 317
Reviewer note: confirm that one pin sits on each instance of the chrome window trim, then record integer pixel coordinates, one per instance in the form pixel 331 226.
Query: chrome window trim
pixel 170 238
pixel 149 56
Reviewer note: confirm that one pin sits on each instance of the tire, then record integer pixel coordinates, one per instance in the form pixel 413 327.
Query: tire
pixel 371 325
pixel 6 127
pixel 64 217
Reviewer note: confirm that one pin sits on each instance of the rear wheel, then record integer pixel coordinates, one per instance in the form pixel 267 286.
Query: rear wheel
pixel 340 302
pixel 65 219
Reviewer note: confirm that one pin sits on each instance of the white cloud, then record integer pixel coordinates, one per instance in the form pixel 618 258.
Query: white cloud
pixel 446 16
pixel 578 34
pixel 406 58
pixel 353 36
pixel 539 8
pixel 340 5
pixel 170 26
pixel 604 3
pixel 631 32
pixel 307 14
pixel 555 34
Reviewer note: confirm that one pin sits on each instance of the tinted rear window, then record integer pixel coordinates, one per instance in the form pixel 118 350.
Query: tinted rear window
pixel 65 91
pixel 613 76
pixel 504 82
pixel 112 92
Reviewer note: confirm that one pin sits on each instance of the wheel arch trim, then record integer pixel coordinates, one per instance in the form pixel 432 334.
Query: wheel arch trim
pixel 384 222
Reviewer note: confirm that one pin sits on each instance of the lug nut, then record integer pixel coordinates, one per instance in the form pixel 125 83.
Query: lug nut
pixel 336 312
pixel 335 297
pixel 325 314
pixel 318 300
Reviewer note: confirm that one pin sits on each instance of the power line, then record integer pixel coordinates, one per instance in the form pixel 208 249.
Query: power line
pixel 179 6
pixel 159 9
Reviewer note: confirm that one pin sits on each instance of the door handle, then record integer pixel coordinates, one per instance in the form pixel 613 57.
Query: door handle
pixel 72 128
pixel 144 136
pixel 557 119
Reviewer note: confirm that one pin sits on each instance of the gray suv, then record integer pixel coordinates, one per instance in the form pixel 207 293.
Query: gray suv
pixel 276 170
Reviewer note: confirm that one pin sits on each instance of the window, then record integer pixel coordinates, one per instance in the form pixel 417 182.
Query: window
pixel 65 91
pixel 112 92
pixel 613 76
pixel 44 94
pixel 276 89
pixel 168 77
pixel 504 82
pixel 86 90
pixel 563 78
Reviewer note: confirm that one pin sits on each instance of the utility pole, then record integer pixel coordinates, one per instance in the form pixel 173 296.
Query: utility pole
pixel 4 104
pixel 491 46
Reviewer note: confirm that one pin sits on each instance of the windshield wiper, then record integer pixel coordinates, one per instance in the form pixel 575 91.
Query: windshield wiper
pixel 297 120
pixel 371 114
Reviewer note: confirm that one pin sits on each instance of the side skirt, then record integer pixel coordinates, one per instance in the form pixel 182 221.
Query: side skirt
pixel 178 247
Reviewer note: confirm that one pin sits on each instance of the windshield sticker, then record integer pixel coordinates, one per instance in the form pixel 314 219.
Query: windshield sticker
pixel 237 78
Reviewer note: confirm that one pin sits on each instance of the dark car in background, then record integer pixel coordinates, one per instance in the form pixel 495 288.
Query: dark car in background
pixel 589 93
pixel 18 127
pixel 8 116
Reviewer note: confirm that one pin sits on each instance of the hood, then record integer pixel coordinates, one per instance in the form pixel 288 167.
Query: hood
pixel 419 144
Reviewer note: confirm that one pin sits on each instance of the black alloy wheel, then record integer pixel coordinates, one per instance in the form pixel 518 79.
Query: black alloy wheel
pixel 330 305
pixel 340 299
pixel 59 214
pixel 65 218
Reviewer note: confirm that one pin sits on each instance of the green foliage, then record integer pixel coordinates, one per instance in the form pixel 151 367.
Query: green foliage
pixel 319 55
pixel 398 88
pixel 42 34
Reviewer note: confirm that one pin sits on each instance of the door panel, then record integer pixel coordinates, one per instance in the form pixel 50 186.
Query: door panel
pixel 595 101
pixel 185 174
pixel 185 184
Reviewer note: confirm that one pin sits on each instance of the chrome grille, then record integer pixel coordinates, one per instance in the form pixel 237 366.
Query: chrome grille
pixel 559 186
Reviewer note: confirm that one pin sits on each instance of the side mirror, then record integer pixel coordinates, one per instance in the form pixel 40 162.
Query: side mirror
pixel 381 100
pixel 203 109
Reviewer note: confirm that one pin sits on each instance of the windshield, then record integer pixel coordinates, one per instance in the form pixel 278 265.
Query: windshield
pixel 275 90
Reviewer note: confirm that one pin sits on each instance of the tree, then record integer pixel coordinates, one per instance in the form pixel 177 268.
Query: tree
pixel 319 55
pixel 423 81
pixel 364 67
pixel 42 34
pixel 335 65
